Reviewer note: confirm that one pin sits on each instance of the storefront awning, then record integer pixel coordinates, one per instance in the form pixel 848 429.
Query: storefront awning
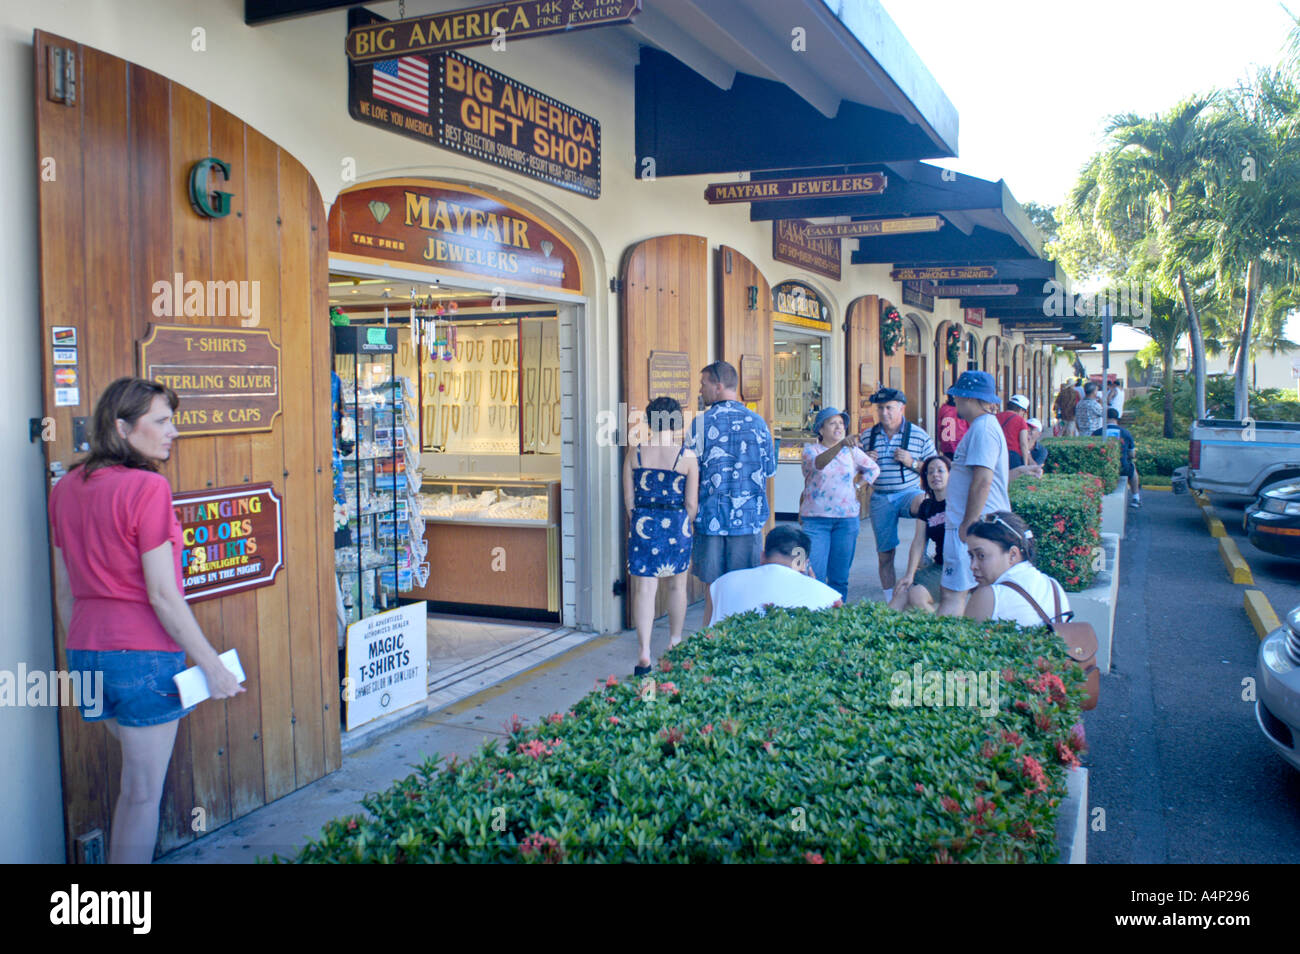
pixel 729 86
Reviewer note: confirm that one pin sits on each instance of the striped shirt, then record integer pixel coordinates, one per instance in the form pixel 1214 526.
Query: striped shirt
pixel 893 475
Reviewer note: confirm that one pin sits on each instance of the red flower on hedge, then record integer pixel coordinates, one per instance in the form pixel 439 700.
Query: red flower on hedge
pixel 666 665
pixel 1033 771
pixel 1059 525
pixel 1025 831
pixel 1066 754
pixel 1008 675
pixel 950 805
pixel 1013 737
pixel 812 858
pixel 1077 740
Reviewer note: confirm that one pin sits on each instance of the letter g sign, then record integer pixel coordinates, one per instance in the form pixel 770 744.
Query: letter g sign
pixel 212 205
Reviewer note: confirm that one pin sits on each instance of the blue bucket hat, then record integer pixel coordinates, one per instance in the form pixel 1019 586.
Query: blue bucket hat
pixel 824 415
pixel 975 384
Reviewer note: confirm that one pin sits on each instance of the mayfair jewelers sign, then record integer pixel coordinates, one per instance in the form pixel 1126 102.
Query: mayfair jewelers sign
pixel 452 102
pixel 475 26
pixel 453 228
pixel 227 379
pixel 230 540
pixel 904 226
pixel 805 187
pixel 792 244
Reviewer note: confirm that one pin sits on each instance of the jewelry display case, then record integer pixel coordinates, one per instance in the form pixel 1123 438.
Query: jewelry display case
pixel 494 544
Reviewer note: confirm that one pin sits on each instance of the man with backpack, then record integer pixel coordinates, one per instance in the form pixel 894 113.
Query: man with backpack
pixel 1128 456
pixel 900 449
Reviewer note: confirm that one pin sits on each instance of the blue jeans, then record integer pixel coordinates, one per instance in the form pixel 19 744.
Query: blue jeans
pixel 834 542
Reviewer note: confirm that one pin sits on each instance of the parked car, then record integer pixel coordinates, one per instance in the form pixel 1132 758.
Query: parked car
pixel 1277 699
pixel 1273 520
pixel 1231 457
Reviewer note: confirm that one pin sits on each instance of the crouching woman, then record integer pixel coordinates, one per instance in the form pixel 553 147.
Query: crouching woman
pixel 1002 561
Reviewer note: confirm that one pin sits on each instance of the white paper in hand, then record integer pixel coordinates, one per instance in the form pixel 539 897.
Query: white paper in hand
pixel 193 685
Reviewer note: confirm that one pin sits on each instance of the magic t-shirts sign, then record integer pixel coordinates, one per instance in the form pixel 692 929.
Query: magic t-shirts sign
pixel 451 228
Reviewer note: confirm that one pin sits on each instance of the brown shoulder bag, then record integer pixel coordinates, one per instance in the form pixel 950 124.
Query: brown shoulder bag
pixel 1080 640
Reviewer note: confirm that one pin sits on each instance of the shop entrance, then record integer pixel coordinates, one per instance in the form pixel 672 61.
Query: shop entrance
pixel 478 381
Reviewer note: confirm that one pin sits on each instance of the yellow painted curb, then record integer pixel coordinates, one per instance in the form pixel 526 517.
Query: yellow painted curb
pixel 1261 614
pixel 1213 522
pixel 1202 500
pixel 1238 570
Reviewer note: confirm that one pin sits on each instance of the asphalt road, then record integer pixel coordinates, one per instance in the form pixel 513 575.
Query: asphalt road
pixel 1177 763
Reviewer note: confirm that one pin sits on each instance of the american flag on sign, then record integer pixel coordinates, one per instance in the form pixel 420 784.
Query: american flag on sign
pixel 403 82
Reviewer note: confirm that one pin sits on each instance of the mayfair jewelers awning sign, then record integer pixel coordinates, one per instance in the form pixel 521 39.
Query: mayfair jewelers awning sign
pixel 452 102
pixel 804 187
pixel 475 26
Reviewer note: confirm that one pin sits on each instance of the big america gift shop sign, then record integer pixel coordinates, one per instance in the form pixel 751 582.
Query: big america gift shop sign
pixel 230 540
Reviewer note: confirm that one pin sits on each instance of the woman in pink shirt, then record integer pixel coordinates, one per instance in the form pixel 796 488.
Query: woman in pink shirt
pixel 829 511
pixel 117 566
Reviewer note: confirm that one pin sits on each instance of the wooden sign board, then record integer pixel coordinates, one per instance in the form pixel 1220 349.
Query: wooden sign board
pixel 231 540
pixel 452 102
pixel 913 295
pixel 476 26
pixel 751 377
pixel 943 273
pixel 792 244
pixel 973 291
pixel 805 187
pixel 866 377
pixel 974 316
pixel 228 379
pixel 903 226
pixel 451 228
pixel 670 376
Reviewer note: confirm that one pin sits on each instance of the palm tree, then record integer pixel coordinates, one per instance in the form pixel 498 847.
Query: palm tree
pixel 1150 169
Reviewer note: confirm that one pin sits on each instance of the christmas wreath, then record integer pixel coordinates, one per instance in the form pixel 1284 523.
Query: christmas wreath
pixel 891 329
pixel 954 344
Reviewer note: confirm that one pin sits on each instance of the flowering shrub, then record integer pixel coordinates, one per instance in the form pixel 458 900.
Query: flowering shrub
pixel 1085 455
pixel 790 752
pixel 1064 512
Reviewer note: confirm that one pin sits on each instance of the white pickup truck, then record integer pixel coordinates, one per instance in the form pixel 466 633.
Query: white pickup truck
pixel 1239 457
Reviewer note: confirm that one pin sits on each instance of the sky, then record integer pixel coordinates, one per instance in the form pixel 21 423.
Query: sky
pixel 1033 81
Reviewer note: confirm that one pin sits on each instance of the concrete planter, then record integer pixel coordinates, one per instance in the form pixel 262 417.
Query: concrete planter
pixel 1072 822
pixel 1114 509
pixel 1096 604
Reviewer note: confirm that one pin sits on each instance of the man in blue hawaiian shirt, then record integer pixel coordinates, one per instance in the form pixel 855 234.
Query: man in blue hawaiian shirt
pixel 736 456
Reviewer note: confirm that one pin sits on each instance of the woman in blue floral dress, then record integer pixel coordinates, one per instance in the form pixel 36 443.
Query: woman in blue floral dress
pixel 661 482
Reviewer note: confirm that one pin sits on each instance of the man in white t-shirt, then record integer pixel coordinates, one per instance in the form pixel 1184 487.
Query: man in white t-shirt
pixel 1115 396
pixel 977 484
pixel 780 580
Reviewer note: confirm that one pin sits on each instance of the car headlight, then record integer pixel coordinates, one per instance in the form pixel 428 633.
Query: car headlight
pixel 1273 654
pixel 1276 505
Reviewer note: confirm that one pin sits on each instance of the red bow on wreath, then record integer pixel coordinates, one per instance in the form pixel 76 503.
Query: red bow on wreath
pixel 954 344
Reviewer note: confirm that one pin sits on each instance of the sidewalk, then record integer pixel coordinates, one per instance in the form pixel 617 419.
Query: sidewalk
pixel 284 826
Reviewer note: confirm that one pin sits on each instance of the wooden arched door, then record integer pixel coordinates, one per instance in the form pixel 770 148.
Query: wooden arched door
pixel 862 371
pixel 945 371
pixel 663 313
pixel 115 226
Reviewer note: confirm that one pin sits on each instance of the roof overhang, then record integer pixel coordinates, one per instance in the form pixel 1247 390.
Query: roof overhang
pixel 729 86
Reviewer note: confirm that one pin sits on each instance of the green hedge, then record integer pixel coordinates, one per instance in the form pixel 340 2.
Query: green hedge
pixel 1064 511
pixel 1160 457
pixel 1084 455
pixel 765 739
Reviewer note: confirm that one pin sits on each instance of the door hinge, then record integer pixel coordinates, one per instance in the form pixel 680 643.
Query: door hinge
pixel 619 587
pixel 616 284
pixel 61 74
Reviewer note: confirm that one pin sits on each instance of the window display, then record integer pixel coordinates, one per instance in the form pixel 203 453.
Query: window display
pixel 797 380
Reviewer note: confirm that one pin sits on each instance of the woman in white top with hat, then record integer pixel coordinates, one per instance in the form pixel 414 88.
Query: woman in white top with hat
pixel 1001 559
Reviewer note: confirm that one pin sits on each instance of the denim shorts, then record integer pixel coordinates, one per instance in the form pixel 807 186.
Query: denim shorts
pixel 886 511
pixel 133 686
pixel 712 555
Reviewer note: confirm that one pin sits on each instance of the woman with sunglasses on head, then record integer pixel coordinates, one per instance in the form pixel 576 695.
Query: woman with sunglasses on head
pixel 1001 556
pixel 930 513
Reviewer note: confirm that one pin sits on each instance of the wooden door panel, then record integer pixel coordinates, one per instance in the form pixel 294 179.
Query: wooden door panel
pixel 862 346
pixel 742 331
pixel 662 308
pixel 116 220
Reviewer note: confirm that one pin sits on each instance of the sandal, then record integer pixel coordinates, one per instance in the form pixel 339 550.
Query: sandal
pixel 642 670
